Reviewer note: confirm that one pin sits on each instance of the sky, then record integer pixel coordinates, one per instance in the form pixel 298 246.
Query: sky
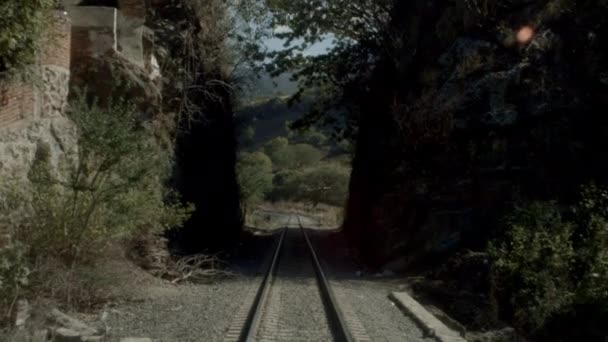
pixel 263 87
pixel 276 44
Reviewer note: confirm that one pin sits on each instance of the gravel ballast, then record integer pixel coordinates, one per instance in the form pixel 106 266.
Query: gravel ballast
pixel 165 312
pixel 295 310
pixel 367 296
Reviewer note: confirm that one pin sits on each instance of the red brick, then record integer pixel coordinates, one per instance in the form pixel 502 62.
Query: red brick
pixel 16 102
pixel 58 42
pixel 132 8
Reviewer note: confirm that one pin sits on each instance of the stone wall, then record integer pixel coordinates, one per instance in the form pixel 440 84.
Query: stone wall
pixel 94 31
pixel 32 114
pixel 99 31
pixel 54 70
pixel 130 38
pixel 21 100
pixel 132 17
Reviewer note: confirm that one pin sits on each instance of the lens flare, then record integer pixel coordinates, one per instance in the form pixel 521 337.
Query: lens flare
pixel 525 34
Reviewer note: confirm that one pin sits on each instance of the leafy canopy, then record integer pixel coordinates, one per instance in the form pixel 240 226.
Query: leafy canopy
pixel 356 30
pixel 254 174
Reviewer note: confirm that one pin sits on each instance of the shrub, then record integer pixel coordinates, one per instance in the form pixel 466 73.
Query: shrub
pixel 14 275
pixel 552 270
pixel 591 245
pixel 304 155
pixel 114 190
pixel 277 150
pixel 285 156
pixel 326 184
pixel 285 186
pixel 533 263
pixel 310 135
pixel 22 22
pixel 275 145
pixel 254 175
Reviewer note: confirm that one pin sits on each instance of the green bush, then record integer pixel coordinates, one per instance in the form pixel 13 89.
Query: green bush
pixel 327 184
pixel 277 150
pixel 591 244
pixel 533 264
pixel 304 155
pixel 275 145
pixel 548 269
pixel 310 135
pixel 114 190
pixel 254 175
pixel 14 275
pixel 285 186
pixel 285 156
pixel 23 22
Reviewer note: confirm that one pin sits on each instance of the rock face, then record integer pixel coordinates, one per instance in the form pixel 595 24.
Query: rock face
pixel 205 143
pixel 70 324
pixel 41 114
pixel 463 121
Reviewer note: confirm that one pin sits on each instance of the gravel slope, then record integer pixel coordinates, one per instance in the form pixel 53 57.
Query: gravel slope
pixel 154 308
pixel 187 313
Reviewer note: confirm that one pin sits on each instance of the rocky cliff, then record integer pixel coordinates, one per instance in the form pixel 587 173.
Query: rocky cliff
pixel 111 51
pixel 475 107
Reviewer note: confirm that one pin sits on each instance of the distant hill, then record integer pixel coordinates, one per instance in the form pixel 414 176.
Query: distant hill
pixel 268 87
pixel 268 118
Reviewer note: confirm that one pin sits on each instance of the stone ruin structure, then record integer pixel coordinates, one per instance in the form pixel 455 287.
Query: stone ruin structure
pixel 33 113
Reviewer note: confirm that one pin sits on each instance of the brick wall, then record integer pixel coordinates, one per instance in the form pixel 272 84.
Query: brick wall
pixel 57 50
pixel 18 99
pixel 81 45
pixel 132 8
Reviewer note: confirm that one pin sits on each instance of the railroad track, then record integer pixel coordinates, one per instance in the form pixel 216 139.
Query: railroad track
pixel 288 285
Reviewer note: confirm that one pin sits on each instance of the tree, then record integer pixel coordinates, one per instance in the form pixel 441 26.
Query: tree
pixel 248 135
pixel 286 186
pixel 285 156
pixel 310 135
pixel 357 31
pixel 276 145
pixel 276 149
pixel 325 184
pixel 304 155
pixel 254 174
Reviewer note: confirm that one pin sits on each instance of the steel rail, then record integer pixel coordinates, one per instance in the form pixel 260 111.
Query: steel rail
pixel 254 318
pixel 336 317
